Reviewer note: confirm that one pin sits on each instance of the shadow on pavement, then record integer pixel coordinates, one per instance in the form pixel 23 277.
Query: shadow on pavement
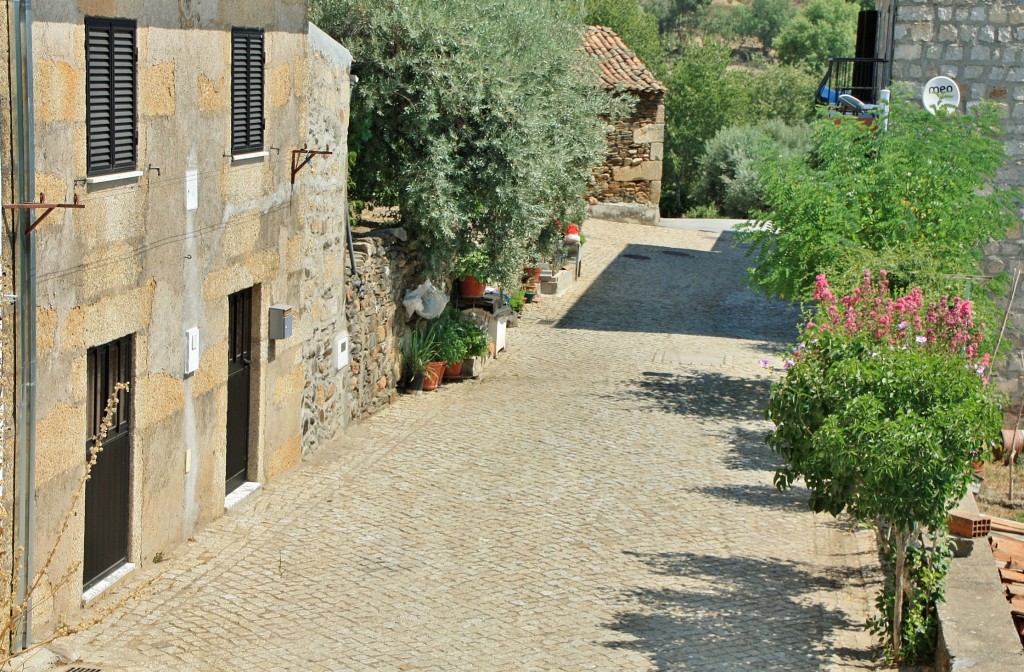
pixel 747 451
pixel 656 289
pixel 747 613
pixel 708 394
pixel 765 496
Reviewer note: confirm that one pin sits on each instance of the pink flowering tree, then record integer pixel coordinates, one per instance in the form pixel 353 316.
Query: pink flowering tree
pixel 880 411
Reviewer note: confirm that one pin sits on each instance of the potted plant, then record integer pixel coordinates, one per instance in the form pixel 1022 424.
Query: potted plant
pixel 517 299
pixel 419 349
pixel 452 345
pixel 471 272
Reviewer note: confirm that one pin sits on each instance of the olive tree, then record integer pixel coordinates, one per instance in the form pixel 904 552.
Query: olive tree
pixel 479 119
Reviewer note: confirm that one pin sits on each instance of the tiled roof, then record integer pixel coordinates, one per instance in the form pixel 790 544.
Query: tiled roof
pixel 620 67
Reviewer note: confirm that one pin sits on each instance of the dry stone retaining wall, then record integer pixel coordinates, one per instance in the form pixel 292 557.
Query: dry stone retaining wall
pixel 376 318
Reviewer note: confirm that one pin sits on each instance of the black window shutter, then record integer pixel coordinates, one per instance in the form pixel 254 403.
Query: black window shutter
pixel 111 128
pixel 246 90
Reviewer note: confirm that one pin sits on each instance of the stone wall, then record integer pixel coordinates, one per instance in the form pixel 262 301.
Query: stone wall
pixel 322 185
pixel 631 172
pixel 981 46
pixel 376 318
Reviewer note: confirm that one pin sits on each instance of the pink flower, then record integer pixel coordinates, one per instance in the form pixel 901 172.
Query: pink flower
pixel 921 339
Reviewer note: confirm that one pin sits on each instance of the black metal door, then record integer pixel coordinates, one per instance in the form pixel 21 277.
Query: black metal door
pixel 864 71
pixel 239 357
pixel 107 490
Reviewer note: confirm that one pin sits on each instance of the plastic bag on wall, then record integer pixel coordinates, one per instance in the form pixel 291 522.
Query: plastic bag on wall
pixel 426 301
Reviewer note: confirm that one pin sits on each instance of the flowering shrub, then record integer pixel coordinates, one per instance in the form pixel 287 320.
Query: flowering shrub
pixel 880 410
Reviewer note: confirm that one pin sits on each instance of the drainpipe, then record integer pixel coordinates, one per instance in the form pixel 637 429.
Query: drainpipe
pixel 25 291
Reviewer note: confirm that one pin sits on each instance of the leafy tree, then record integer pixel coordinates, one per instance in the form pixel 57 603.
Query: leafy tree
pixel 917 199
pixel 479 119
pixel 881 410
pixel 701 99
pixel 764 19
pixel 676 15
pixel 636 26
pixel 727 172
pixel 821 30
pixel 705 95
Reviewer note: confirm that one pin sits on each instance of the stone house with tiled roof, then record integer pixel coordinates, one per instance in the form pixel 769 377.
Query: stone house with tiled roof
pixel 628 184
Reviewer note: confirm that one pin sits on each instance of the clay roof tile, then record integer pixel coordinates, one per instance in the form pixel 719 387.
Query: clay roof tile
pixel 620 66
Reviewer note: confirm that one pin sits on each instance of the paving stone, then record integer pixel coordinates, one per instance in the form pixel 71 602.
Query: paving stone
pixel 601 499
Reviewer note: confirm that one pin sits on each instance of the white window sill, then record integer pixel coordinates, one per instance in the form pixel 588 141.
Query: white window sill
pixel 114 177
pixel 250 156
pixel 112 578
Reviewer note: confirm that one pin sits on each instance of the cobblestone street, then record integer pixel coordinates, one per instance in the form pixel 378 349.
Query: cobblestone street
pixel 600 499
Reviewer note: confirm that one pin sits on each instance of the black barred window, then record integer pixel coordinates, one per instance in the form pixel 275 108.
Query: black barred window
pixel 111 127
pixel 247 64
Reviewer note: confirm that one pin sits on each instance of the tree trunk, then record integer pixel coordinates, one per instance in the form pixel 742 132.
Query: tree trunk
pixel 902 540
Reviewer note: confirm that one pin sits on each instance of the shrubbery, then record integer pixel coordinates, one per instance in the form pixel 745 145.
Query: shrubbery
pixel 881 410
pixel 727 174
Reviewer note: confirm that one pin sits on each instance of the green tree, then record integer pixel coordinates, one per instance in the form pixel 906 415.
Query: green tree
pixel 676 15
pixel 764 19
pixel 881 411
pixel 701 99
pixel 479 119
pixel 917 199
pixel 636 26
pixel 821 30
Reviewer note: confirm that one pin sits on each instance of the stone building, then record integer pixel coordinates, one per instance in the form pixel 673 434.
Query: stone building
pixel 628 184
pixel 191 253
pixel 980 45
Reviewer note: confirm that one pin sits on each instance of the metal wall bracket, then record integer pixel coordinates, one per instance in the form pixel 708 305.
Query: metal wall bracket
pixel 42 205
pixel 310 154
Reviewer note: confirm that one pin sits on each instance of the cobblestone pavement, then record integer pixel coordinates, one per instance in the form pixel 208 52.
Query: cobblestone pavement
pixel 600 499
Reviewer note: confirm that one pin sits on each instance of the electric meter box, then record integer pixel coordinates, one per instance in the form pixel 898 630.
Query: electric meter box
pixel 280 321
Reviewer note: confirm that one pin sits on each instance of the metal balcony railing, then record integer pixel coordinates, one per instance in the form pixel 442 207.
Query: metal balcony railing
pixel 858 77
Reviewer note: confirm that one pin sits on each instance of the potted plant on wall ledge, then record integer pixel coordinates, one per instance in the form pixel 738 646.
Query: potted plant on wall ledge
pixel 471 272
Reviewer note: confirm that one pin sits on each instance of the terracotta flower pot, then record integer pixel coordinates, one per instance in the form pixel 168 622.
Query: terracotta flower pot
pixel 471 288
pixel 435 370
pixel 453 371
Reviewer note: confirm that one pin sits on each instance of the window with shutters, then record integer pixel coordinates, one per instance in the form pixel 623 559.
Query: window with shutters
pixel 246 90
pixel 110 92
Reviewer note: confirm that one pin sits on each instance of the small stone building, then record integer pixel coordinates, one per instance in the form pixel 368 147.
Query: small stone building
pixel 628 184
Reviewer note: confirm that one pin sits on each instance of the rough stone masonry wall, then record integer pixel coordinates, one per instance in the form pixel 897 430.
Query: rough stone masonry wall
pixel 322 185
pixel 631 172
pixel 376 318
pixel 981 46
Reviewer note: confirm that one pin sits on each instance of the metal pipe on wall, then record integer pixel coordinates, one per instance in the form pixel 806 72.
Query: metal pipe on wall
pixel 25 290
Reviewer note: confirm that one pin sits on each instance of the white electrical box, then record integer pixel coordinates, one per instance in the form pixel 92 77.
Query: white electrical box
pixel 280 321
pixel 191 350
pixel 191 190
pixel 341 358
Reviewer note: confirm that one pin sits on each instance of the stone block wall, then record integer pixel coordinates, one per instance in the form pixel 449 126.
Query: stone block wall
pixel 981 46
pixel 322 185
pixel 376 319
pixel 631 172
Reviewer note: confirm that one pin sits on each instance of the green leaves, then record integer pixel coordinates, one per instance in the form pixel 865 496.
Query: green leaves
pixel 916 200
pixel 479 119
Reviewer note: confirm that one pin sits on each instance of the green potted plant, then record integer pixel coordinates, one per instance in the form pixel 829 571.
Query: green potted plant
pixel 452 345
pixel 471 271
pixel 418 350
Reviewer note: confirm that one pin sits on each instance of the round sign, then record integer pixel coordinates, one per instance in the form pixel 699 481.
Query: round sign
pixel 940 92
